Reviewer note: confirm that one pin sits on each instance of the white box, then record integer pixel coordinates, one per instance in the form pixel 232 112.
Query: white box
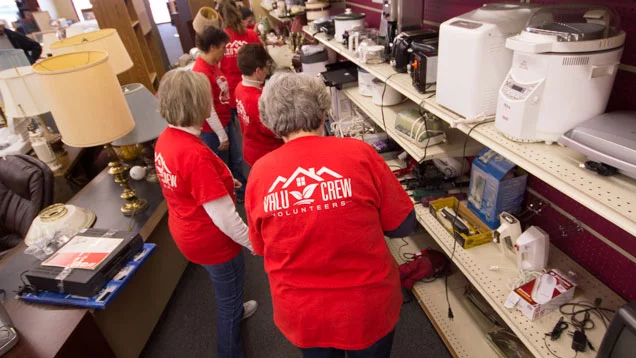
pixel 563 293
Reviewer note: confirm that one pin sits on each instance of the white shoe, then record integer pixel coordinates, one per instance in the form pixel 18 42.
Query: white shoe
pixel 249 308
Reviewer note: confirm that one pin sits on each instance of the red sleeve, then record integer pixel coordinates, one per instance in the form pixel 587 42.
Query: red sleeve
pixel 395 204
pixel 205 181
pixel 252 36
pixel 254 232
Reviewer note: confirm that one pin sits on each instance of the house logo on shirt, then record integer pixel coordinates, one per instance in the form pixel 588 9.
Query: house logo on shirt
pixel 232 48
pixel 166 177
pixel 307 190
pixel 240 109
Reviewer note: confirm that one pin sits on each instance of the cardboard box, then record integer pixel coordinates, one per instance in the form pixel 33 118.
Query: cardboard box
pixel 483 233
pixel 563 293
pixel 496 185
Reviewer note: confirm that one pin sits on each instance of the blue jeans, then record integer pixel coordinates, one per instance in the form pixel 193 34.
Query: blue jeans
pixel 228 279
pixel 379 349
pixel 233 157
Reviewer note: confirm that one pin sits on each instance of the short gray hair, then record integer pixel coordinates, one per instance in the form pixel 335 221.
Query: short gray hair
pixel 293 102
pixel 185 98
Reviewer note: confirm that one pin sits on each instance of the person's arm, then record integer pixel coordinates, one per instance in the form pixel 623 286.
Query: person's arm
pixel 254 233
pixel 215 123
pixel 223 213
pixel 397 212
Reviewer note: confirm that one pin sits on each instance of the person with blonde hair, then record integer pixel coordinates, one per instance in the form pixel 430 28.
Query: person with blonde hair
pixel 199 191
pixel 318 210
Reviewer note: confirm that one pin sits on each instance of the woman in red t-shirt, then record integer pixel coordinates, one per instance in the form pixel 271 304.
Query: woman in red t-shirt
pixel 318 209
pixel 199 191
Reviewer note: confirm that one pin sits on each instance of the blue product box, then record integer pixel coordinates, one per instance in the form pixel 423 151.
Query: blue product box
pixel 496 185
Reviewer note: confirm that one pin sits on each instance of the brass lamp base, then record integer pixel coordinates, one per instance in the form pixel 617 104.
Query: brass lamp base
pixel 132 205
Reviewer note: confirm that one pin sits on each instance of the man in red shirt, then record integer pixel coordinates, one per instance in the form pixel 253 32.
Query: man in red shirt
pixel 318 209
pixel 258 140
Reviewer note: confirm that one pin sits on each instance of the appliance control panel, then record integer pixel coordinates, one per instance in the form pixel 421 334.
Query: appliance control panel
pixel 517 91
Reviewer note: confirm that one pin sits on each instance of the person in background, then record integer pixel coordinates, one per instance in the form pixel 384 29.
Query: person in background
pixel 248 17
pixel 239 36
pixel 258 140
pixel 318 209
pixel 14 40
pixel 199 191
pixel 214 133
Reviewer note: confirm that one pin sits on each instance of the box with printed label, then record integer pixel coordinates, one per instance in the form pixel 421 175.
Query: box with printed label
pixel 563 293
pixel 496 185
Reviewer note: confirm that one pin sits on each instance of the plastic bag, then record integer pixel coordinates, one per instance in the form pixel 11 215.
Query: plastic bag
pixel 47 245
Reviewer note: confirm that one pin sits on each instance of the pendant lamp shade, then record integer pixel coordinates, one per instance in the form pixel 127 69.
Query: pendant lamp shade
pixel 85 98
pixel 22 93
pixel 103 40
pixel 144 107
pixel 13 58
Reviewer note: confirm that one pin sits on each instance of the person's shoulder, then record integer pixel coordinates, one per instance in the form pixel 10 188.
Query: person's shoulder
pixel 253 35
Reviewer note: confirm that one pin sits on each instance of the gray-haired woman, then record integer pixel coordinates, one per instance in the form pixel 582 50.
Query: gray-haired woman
pixel 318 209
pixel 199 190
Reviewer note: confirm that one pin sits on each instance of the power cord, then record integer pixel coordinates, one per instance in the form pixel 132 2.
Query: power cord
pixel 25 288
pixel 456 209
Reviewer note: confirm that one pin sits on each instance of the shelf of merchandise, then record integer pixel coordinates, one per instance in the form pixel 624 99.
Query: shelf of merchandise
pixel 613 198
pixel 452 148
pixel 465 334
pixel 475 262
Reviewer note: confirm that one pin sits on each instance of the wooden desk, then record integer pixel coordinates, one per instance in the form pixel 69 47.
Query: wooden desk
pixel 126 325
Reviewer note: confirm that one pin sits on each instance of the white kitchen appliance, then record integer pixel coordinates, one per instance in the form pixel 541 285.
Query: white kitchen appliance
pixel 533 248
pixel 317 9
pixel 384 95
pixel 347 21
pixel 507 234
pixel 472 57
pixel 564 65
pixel 365 83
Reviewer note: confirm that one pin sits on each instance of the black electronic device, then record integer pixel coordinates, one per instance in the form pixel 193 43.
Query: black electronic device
pixel 340 73
pixel 401 54
pixel 423 64
pixel 85 282
pixel 620 339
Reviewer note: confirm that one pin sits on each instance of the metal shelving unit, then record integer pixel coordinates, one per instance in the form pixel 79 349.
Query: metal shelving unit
pixel 475 262
pixel 614 198
pixel 452 148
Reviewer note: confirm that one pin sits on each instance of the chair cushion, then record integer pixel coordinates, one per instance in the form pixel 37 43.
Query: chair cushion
pixel 26 187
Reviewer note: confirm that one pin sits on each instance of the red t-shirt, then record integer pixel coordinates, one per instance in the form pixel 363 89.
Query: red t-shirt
pixel 229 64
pixel 317 208
pixel 213 73
pixel 190 176
pixel 258 140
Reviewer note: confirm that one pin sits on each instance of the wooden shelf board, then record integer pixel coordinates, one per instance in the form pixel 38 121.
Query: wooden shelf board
pixel 134 24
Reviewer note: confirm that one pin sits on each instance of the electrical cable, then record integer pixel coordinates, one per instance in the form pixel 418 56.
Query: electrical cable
pixel 545 341
pixel 456 209
pixel 585 308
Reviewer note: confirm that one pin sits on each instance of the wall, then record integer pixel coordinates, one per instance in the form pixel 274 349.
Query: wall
pixel 599 258
pixel 59 8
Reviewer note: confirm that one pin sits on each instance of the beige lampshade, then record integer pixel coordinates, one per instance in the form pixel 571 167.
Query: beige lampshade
pixel 103 40
pixel 206 17
pixel 86 101
pixel 22 93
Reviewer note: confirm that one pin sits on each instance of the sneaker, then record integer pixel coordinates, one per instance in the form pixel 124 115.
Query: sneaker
pixel 249 308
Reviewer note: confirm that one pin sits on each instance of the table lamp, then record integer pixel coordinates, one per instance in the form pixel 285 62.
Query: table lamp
pixel 149 124
pixel 102 40
pixel 89 109
pixel 23 98
pixel 10 59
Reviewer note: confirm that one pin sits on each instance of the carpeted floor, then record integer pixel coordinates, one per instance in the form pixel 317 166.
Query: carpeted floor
pixel 187 327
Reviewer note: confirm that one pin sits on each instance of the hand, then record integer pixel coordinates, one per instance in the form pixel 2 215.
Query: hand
pixel 225 145
pixel 237 184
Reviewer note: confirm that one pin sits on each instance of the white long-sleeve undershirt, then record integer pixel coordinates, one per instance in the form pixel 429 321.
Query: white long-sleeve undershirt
pixel 217 127
pixel 223 213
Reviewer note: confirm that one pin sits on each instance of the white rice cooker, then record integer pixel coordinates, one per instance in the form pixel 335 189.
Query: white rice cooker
pixel 385 95
pixel 346 22
pixel 473 59
pixel 317 9
pixel 564 65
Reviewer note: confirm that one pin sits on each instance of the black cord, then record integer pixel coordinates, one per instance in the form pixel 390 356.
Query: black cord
pixel 25 288
pixel 402 255
pixel 382 99
pixel 576 353
pixel 450 311
pixel 422 114
pixel 585 309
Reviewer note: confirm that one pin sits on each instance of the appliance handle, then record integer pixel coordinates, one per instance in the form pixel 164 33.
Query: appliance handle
pixel 606 159
pixel 604 70
pixel 514 43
